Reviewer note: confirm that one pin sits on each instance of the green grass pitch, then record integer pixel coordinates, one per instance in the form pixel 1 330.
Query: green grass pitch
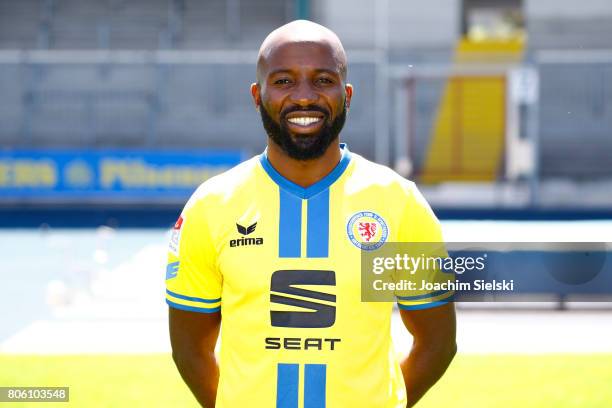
pixel 558 380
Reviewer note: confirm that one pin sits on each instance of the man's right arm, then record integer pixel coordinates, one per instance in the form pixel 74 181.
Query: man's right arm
pixel 193 337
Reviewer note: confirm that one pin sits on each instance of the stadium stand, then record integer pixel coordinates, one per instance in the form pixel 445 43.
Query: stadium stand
pixel 143 103
pixel 20 24
pixel 219 23
pixel 576 118
pixel 138 24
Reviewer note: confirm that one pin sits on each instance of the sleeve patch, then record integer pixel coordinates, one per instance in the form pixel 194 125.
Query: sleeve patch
pixel 175 237
pixel 172 270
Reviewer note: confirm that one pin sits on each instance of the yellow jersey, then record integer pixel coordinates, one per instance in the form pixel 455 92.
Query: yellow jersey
pixel 282 265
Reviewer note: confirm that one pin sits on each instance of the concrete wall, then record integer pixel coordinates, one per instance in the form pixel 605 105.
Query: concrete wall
pixel 569 24
pixel 412 23
pixel 568 9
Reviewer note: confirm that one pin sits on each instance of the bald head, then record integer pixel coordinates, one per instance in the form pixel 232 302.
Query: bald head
pixel 301 32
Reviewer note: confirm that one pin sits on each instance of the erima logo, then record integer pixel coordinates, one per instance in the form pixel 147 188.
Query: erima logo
pixel 246 231
pixel 243 241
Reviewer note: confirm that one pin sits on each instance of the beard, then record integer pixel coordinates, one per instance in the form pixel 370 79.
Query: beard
pixel 303 147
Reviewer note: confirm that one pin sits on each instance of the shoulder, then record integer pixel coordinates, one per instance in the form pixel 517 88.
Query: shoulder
pixel 225 186
pixel 369 175
pixel 398 194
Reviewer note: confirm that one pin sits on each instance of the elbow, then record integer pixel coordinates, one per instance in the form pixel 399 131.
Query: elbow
pixel 181 359
pixel 177 358
pixel 187 359
pixel 451 351
pixel 443 351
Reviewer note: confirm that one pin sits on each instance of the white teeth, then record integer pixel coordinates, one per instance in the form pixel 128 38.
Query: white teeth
pixel 303 121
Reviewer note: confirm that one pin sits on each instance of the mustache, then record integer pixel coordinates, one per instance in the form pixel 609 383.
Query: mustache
pixel 311 108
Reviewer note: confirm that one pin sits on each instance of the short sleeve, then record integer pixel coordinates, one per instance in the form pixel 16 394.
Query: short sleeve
pixel 422 233
pixel 193 281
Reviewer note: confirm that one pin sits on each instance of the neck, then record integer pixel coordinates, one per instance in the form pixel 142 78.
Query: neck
pixel 304 173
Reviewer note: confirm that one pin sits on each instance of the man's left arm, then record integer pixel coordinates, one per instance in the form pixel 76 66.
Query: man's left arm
pixel 433 348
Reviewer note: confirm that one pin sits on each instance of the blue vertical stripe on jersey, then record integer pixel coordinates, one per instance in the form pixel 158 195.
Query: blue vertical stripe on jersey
pixel 287 380
pixel 314 385
pixel 317 232
pixel 290 225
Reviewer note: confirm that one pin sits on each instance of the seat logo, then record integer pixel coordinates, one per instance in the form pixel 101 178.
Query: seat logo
pixel 286 289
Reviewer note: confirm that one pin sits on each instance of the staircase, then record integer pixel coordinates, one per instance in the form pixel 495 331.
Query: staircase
pixel 467 138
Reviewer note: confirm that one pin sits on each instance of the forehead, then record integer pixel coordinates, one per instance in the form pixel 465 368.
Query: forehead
pixel 295 56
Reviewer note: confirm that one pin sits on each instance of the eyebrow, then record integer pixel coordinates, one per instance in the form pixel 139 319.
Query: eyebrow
pixel 318 70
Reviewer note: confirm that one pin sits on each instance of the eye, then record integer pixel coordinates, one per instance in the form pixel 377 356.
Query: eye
pixel 325 80
pixel 282 81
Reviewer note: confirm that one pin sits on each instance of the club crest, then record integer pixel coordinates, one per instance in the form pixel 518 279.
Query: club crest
pixel 367 230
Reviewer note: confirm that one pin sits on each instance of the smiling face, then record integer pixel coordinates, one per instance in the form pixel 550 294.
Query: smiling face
pixel 302 95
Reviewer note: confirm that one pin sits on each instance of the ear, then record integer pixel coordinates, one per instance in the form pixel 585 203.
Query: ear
pixel 348 90
pixel 256 94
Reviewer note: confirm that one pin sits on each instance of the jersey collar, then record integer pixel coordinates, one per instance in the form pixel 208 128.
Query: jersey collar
pixel 316 188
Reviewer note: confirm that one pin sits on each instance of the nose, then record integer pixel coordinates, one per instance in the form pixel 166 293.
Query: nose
pixel 304 94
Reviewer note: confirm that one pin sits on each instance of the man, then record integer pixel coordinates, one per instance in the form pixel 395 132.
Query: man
pixel 273 245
